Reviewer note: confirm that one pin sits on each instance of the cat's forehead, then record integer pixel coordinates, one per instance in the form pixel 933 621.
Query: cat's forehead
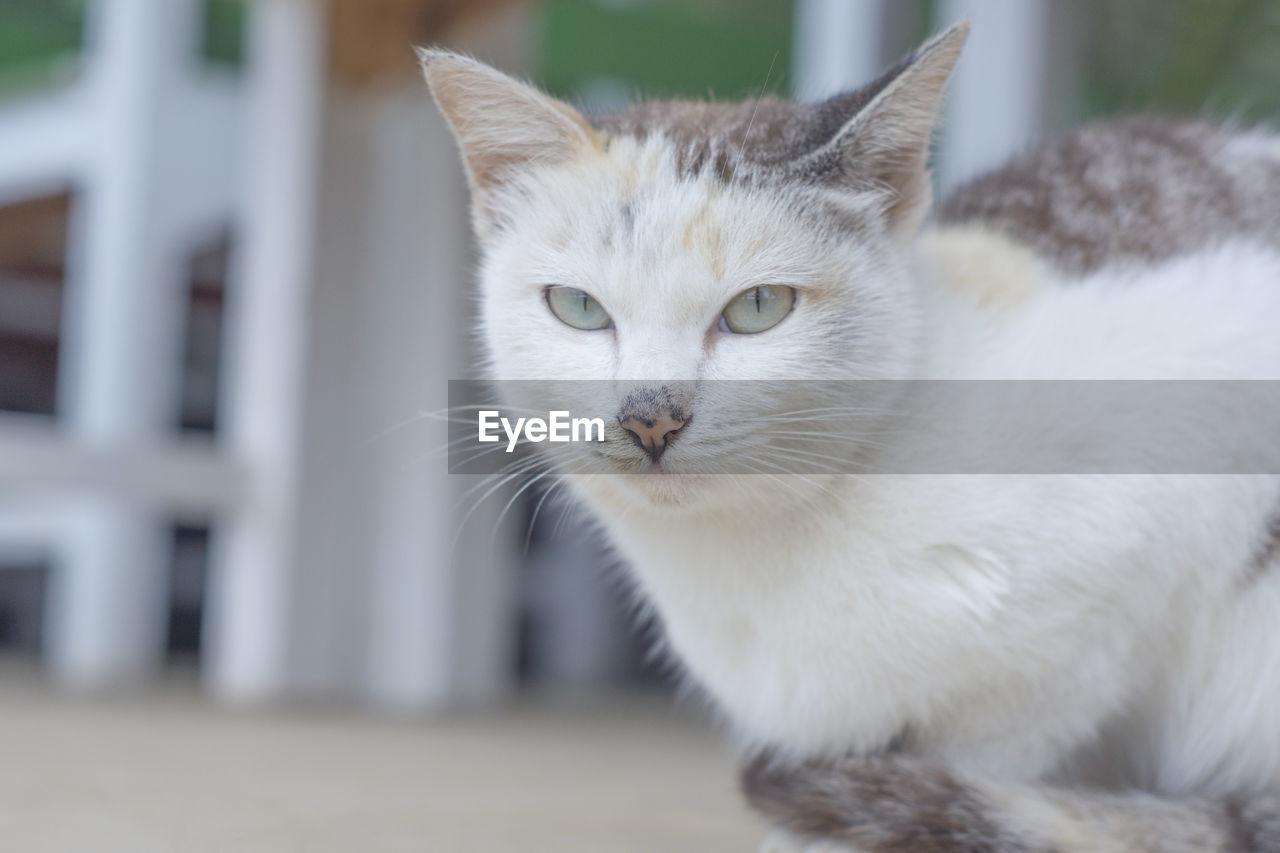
pixel 643 194
pixel 729 142
pixel 632 226
pixel 734 141
pixel 635 194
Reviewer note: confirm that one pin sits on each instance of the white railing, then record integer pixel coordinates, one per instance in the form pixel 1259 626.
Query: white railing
pixel 333 568
pixel 43 142
pixel 152 143
pixel 255 560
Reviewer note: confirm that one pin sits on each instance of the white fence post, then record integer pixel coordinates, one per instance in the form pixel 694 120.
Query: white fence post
pixel 45 144
pixel 255 559
pixel 423 625
pixel 839 45
pixel 120 340
pixel 994 104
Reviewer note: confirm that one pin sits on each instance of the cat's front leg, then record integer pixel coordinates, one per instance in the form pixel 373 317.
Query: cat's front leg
pixel 902 804
pixel 876 804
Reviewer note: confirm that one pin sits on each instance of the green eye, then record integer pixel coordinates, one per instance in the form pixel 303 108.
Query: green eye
pixel 758 309
pixel 577 308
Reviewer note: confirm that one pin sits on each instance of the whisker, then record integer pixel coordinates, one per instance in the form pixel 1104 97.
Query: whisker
pixel 383 434
pixel 516 468
pixel 792 453
pixel 573 512
pixel 821 437
pixel 524 487
pixel 480 501
pixel 830 413
pixel 742 147
pixel 808 499
pixel 537 508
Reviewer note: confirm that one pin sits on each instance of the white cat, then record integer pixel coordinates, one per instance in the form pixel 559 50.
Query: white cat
pixel 923 662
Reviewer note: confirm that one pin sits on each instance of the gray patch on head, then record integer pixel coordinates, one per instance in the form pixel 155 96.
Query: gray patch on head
pixel 707 140
pixel 1131 190
pixel 745 141
pixel 728 141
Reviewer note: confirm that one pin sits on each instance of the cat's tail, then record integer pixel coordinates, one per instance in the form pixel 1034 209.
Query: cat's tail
pixel 897 804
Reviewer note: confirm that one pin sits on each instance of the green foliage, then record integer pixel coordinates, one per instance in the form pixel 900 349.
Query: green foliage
pixel 1220 57
pixel 702 49
pixel 223 41
pixel 39 41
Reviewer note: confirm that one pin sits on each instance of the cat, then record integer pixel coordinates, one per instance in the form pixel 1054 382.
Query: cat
pixel 926 662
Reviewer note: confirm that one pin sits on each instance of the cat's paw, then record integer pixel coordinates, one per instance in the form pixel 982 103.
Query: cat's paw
pixel 781 841
pixel 874 804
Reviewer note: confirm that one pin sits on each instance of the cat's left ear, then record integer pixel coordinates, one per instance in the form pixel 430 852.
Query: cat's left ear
pixel 503 127
pixel 885 142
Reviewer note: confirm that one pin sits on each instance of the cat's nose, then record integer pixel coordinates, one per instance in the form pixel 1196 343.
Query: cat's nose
pixel 654 433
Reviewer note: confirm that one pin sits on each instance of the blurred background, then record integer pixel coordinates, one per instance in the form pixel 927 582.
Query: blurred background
pixel 235 277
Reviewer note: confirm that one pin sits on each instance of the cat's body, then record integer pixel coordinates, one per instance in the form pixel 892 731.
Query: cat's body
pixel 990 634
pixel 908 612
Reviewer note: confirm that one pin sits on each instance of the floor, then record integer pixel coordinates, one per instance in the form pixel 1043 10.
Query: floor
pixel 167 772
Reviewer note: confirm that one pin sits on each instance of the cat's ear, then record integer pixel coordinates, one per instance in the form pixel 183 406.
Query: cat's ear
pixel 503 126
pixel 887 128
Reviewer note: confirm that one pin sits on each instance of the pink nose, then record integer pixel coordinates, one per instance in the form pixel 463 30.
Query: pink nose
pixel 653 436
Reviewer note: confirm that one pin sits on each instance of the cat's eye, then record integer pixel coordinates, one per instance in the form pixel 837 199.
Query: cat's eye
pixel 577 308
pixel 760 308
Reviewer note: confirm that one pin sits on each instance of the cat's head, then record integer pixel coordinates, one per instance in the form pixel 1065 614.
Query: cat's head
pixel 695 241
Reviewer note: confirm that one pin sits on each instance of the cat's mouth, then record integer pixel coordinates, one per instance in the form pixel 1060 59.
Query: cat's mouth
pixel 644 468
pixel 663 484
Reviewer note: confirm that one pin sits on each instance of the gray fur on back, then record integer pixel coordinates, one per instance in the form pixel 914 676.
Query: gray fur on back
pixel 1130 190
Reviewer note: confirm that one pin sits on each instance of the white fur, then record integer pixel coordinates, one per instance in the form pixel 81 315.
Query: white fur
pixel 1017 625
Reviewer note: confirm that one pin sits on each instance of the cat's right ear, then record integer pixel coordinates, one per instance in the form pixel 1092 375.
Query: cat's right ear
pixel 884 143
pixel 502 126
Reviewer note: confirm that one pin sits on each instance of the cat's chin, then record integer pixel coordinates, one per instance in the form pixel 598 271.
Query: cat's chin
pixel 664 488
pixel 649 488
